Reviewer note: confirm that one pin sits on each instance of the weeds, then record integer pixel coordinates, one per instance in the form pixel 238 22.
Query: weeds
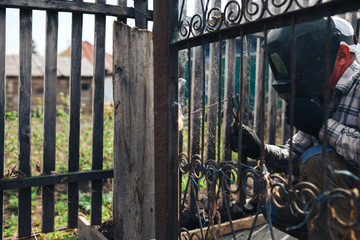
pixel 62 141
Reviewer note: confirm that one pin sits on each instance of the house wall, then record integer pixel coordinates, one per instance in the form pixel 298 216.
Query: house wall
pixel 12 99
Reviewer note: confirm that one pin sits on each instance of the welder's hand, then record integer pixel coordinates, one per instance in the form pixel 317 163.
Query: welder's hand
pixel 251 144
pixel 307 116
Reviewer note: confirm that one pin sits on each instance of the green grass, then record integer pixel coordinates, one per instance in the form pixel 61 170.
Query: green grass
pixel 62 140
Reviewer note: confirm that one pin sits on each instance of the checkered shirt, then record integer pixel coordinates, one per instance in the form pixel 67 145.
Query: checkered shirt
pixel 343 127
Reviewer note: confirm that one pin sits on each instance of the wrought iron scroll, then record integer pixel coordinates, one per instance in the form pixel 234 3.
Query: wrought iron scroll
pixel 234 13
pixel 303 198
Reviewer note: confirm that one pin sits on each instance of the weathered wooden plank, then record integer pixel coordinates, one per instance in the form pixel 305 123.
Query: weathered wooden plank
pixel 49 143
pixel 225 228
pixel 134 186
pixel 24 119
pixel 140 13
pixel 2 108
pixel 27 182
pixel 76 7
pixel 98 115
pixel 88 232
pixel 75 104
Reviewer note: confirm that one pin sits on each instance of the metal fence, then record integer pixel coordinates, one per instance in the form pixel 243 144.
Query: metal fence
pixel 47 180
pixel 212 50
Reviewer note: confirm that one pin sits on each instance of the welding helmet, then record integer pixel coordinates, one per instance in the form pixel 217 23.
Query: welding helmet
pixel 310 55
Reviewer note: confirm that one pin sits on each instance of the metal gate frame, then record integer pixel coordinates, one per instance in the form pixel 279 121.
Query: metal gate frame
pixel 166 47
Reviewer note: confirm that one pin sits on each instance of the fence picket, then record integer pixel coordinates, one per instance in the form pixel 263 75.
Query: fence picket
pixel 74 128
pixel 98 115
pixel 2 109
pixel 134 166
pixel 48 211
pixel 24 119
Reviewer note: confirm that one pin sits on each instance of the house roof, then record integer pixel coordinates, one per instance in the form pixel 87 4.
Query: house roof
pixel 88 53
pixel 63 63
pixel 38 66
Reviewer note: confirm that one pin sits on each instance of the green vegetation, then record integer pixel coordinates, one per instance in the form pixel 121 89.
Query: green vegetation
pixel 62 140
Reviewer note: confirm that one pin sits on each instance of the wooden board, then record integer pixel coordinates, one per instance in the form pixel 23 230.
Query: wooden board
pixel 225 228
pixel 74 128
pixel 134 188
pixel 49 142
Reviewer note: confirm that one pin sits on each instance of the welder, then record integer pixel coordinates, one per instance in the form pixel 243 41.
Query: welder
pixel 327 77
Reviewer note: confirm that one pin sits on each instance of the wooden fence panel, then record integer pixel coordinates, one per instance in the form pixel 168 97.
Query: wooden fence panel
pixel 98 115
pixel 74 128
pixel 24 119
pixel 48 211
pixel 2 108
pixel 134 187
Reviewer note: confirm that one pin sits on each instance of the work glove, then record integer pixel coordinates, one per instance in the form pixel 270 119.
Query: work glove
pixel 308 116
pixel 251 144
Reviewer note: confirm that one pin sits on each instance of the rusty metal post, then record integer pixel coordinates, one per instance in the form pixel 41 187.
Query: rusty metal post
pixel 165 116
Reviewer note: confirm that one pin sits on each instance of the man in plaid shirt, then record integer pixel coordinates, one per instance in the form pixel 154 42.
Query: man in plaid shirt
pixel 341 94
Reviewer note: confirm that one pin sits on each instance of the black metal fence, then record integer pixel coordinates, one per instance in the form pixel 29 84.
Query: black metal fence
pixel 213 50
pixel 48 178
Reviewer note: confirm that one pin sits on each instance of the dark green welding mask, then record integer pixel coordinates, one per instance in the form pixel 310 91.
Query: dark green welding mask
pixel 310 56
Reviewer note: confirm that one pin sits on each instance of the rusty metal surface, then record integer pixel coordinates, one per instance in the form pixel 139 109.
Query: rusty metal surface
pixel 229 184
pixel 166 136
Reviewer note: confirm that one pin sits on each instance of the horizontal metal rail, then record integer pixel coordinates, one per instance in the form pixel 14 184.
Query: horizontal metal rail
pixel 75 7
pixel 301 15
pixel 34 181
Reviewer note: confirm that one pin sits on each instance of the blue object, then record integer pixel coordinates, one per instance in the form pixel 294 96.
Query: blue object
pixel 272 209
pixel 315 150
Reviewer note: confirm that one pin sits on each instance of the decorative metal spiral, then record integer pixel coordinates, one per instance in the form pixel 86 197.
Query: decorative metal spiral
pixel 184 28
pixel 275 8
pixel 183 163
pixel 196 24
pixel 214 19
pixel 229 178
pixel 232 13
pixel 197 166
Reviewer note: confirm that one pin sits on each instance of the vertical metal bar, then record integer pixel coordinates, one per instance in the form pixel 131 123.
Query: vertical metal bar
pixel 24 119
pixel 212 97
pixel 74 118
pixel 292 98
pixel 189 104
pixel 262 130
pixel 166 132
pixel 262 97
pixel 2 108
pixel 98 115
pixel 140 13
pixel 219 99
pixel 326 98
pixel 49 142
pixel 241 159
pixel 229 90
pixel 203 102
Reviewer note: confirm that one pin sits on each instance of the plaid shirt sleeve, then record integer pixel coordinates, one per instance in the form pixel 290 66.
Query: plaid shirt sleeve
pixel 345 140
pixel 277 157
